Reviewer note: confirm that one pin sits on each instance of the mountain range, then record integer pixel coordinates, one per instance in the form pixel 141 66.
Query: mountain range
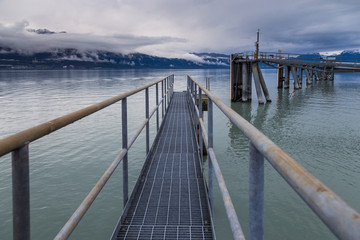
pixel 70 58
pixel 75 59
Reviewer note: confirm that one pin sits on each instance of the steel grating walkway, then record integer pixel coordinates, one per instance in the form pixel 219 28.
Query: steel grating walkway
pixel 169 200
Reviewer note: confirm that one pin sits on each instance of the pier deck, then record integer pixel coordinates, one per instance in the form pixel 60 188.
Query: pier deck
pixel 170 199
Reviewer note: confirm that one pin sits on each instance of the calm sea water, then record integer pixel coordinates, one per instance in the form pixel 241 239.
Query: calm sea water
pixel 319 126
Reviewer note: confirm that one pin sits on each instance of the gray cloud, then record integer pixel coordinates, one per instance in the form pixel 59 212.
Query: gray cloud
pixel 174 28
pixel 19 37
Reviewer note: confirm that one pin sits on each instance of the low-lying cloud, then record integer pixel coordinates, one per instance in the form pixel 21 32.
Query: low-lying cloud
pixel 20 37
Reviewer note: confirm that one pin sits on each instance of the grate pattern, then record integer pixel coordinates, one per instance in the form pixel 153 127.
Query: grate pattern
pixel 170 200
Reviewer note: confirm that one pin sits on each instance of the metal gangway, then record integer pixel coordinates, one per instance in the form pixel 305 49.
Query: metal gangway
pixel 172 199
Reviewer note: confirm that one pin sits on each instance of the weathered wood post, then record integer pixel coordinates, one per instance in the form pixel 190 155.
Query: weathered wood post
pixel 294 74
pixel 287 77
pixel 311 76
pixel 280 76
pixel 263 84
pixel 244 81
pixel 249 82
pixel 257 84
pixel 232 77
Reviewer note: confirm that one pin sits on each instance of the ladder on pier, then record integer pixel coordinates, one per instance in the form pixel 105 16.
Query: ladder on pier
pixel 169 200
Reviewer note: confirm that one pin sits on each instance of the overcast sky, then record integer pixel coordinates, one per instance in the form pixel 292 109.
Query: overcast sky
pixel 174 28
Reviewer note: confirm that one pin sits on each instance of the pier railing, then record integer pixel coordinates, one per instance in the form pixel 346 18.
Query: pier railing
pixel 18 145
pixel 339 217
pixel 346 60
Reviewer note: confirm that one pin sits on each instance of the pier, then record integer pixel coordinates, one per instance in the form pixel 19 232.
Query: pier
pixel 299 68
pixel 173 196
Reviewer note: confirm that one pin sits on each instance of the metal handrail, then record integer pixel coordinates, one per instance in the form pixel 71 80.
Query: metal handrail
pixel 337 215
pixel 18 144
pixel 213 163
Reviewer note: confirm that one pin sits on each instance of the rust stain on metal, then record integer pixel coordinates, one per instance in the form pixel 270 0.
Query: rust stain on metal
pixel 321 189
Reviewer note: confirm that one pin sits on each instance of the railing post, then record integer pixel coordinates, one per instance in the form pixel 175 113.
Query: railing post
pixel 21 193
pixel 200 129
pixel 210 145
pixel 148 120
pixel 208 83
pixel 195 115
pixel 125 146
pixel 256 194
pixel 157 107
pixel 165 90
pixel 162 99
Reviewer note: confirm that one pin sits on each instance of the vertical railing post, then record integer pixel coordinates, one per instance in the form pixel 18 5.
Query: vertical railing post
pixel 157 107
pixel 168 90
pixel 21 193
pixel 200 129
pixel 162 99
pixel 148 120
pixel 165 90
pixel 173 83
pixel 195 115
pixel 210 145
pixel 256 194
pixel 125 146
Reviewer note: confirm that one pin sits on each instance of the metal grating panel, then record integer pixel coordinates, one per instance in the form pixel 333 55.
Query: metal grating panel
pixel 170 201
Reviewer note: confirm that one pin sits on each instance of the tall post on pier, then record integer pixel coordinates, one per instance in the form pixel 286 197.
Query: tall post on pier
pixel 256 55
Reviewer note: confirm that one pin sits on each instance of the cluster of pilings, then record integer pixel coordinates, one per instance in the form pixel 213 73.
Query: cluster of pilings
pixel 241 72
pixel 284 72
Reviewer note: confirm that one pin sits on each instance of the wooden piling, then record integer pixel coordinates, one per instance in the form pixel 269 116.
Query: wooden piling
pixel 257 83
pixel 232 78
pixel 244 81
pixel 262 83
pixel 294 74
pixel 300 76
pixel 249 82
pixel 287 77
pixel 280 76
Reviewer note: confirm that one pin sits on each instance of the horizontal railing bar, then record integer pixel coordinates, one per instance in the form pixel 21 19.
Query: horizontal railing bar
pixel 70 225
pixel 229 206
pixel 340 218
pixel 17 140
